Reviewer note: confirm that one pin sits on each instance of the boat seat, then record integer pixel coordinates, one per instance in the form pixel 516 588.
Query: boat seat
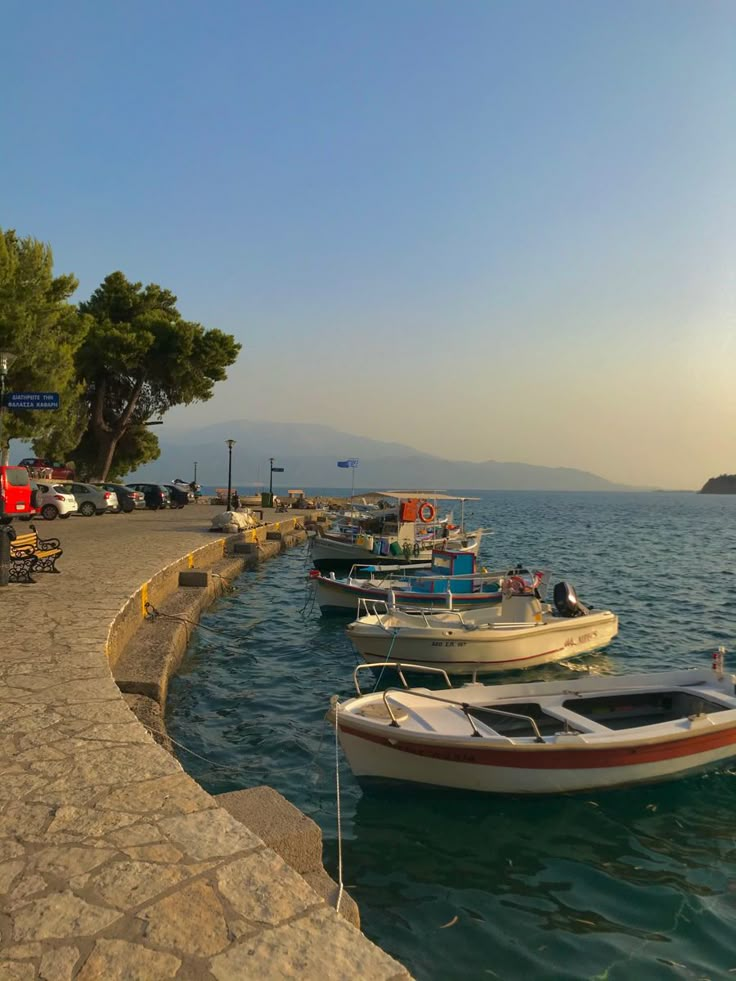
pixel 378 710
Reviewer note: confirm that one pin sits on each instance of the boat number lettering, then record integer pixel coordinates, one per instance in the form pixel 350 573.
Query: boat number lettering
pixel 448 643
pixel 581 639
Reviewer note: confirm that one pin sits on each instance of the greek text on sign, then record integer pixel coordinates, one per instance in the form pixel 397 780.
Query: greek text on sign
pixel 32 400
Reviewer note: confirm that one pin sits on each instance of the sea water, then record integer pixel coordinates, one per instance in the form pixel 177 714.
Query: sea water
pixel 637 883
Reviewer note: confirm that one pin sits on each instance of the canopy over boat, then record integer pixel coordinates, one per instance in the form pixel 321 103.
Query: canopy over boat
pixel 428 495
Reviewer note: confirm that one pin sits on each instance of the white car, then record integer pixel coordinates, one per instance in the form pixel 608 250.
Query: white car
pixel 54 501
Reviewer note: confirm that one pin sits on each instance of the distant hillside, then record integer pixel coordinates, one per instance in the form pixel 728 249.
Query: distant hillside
pixel 725 484
pixel 309 454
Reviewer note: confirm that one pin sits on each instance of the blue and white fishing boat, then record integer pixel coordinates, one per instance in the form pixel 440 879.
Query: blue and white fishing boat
pixel 451 580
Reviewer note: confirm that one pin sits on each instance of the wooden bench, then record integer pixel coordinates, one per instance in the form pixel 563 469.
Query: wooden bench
pixel 28 546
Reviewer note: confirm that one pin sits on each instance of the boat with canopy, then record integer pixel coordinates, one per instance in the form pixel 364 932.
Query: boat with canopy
pixel 405 533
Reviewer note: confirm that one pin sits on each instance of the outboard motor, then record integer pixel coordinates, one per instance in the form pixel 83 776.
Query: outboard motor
pixel 566 601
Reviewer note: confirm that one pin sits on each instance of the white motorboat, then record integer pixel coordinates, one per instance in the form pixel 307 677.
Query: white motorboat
pixel 403 535
pixel 546 738
pixel 518 632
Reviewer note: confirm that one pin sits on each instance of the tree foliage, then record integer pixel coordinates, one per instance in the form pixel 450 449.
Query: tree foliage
pixel 138 359
pixel 44 331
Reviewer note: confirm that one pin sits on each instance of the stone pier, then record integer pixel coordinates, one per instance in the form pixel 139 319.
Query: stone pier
pixel 114 863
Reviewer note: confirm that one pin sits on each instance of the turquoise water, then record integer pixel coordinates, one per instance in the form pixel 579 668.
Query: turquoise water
pixel 628 884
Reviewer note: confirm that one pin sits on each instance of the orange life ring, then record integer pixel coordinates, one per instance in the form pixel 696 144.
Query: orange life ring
pixel 426 512
pixel 517 585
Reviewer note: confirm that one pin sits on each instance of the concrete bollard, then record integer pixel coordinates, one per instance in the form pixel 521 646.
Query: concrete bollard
pixel 194 577
pixel 245 548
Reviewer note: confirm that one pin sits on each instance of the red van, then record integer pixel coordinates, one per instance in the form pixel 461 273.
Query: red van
pixel 16 494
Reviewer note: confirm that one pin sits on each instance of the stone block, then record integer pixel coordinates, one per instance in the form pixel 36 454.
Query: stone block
pixel 283 827
pixel 193 577
pixel 274 536
pixel 245 548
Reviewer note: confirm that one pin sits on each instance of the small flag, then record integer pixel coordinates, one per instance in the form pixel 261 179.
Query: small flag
pixel 347 463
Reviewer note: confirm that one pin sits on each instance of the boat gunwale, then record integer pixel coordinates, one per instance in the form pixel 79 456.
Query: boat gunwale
pixel 663 733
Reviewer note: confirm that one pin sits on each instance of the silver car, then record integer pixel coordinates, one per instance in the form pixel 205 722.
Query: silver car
pixel 91 500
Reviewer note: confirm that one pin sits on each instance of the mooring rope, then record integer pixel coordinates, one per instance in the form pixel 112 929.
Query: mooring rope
pixel 339 813
pixel 386 659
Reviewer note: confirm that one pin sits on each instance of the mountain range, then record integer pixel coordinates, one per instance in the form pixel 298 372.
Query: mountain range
pixel 309 454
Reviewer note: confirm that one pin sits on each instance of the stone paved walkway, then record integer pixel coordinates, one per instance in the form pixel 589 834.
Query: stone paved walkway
pixel 113 862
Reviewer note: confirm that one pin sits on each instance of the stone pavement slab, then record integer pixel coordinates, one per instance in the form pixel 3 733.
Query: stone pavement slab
pixel 113 862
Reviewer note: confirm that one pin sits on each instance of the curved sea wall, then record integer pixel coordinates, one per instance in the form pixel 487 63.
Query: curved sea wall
pixel 113 861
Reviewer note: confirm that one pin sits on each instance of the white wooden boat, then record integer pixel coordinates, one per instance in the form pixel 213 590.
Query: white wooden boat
pixel 546 738
pixel 518 632
pixel 395 536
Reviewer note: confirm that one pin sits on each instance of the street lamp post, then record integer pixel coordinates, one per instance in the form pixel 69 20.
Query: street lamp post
pixel 230 444
pixel 195 472
pixel 6 359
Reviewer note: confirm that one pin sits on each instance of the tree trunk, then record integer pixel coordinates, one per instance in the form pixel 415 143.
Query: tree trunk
pixel 106 443
pixel 107 438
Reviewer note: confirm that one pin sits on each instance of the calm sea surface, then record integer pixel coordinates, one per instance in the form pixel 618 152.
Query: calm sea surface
pixel 619 885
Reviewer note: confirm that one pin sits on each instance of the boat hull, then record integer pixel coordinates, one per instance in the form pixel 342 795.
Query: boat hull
pixel 541 771
pixel 341 598
pixel 486 651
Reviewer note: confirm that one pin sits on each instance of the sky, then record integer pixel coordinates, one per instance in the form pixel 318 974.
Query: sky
pixel 489 230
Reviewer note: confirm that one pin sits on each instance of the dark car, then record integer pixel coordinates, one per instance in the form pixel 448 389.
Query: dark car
pixel 156 495
pixel 179 497
pixel 128 499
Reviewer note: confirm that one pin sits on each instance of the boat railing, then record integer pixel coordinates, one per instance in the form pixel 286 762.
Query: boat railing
pixel 399 668
pixel 380 609
pixel 466 709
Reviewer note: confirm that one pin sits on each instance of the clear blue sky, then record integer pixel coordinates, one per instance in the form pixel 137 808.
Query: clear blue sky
pixel 529 204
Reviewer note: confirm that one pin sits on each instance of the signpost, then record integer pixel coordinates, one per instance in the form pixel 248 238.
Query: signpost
pixel 32 400
pixel 20 400
pixel 270 483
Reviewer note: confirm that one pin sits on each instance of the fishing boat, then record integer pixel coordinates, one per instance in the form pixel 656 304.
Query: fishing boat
pixel 452 580
pixel 400 535
pixel 519 632
pixel 546 738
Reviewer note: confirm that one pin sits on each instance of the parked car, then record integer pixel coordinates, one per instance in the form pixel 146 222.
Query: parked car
pixel 156 496
pixel 128 499
pixel 91 499
pixel 54 501
pixel 179 497
pixel 16 494
pixel 53 470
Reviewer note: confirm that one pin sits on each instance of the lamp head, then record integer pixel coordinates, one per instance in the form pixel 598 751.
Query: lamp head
pixel 230 443
pixel 6 359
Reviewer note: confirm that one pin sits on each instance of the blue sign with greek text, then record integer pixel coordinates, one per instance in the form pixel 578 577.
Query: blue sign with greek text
pixel 32 400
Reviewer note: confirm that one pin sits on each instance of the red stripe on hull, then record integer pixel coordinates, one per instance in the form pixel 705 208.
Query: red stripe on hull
pixel 554 758
pixel 481 663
